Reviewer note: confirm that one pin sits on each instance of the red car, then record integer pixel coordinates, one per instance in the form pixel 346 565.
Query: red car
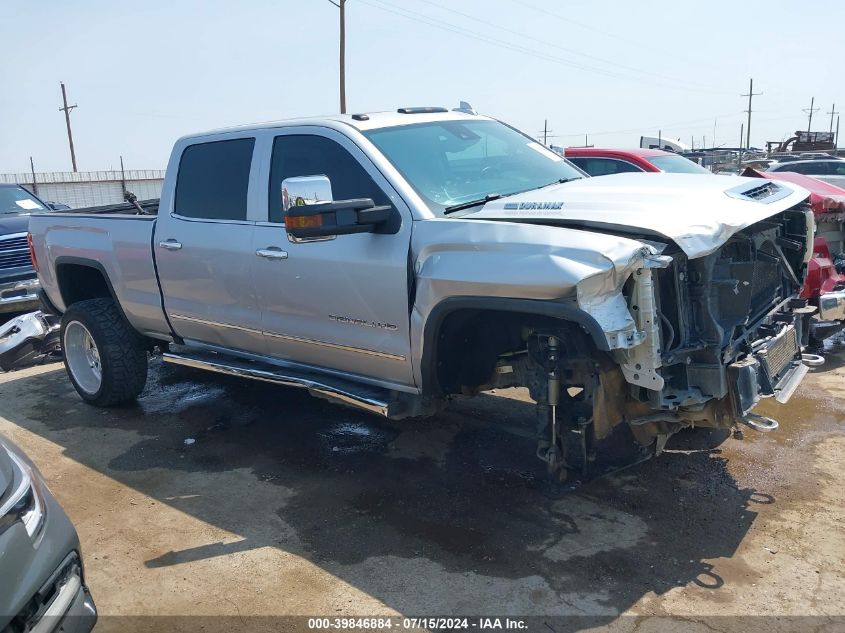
pixel 824 285
pixel 602 162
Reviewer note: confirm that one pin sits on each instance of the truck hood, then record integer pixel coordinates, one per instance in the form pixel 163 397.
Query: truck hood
pixel 698 213
pixel 13 223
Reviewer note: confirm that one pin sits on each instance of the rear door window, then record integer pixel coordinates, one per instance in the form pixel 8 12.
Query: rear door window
pixel 213 180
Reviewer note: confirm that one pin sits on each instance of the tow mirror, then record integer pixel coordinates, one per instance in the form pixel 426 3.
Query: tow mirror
pixel 309 210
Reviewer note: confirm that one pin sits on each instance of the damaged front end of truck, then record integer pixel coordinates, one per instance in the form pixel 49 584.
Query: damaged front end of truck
pixel 676 338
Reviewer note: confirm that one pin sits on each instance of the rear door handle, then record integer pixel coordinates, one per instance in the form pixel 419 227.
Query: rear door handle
pixel 272 252
pixel 170 245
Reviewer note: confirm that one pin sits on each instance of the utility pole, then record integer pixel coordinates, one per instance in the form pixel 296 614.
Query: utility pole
pixel 66 109
pixel 750 94
pixel 545 132
pixel 810 112
pixel 836 138
pixel 341 5
pixel 34 184
pixel 342 56
pixel 741 132
pixel 831 113
pixel 122 176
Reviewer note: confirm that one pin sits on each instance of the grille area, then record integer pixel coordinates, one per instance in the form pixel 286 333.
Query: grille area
pixel 766 283
pixel 780 352
pixel 14 252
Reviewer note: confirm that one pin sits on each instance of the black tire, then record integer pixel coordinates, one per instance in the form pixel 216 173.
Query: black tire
pixel 122 357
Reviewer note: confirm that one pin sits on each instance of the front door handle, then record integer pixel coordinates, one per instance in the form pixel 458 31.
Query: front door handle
pixel 272 252
pixel 170 245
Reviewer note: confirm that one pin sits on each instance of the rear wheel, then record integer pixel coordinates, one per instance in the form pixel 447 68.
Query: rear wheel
pixel 104 357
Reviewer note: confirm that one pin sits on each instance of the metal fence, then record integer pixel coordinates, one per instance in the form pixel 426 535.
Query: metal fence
pixel 90 188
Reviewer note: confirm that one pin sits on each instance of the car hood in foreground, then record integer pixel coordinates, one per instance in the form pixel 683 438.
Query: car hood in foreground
pixel 6 471
pixel 698 214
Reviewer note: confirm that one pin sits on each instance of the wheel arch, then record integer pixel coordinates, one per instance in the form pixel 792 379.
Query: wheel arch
pixel 444 324
pixel 80 278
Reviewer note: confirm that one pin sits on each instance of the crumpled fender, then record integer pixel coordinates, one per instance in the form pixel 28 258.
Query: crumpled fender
pixel 476 258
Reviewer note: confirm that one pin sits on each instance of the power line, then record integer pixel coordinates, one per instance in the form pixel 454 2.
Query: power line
pixel 448 26
pixel 554 44
pixel 589 27
pixel 750 95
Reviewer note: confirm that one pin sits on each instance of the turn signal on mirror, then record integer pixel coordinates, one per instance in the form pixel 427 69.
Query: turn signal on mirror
pixel 303 221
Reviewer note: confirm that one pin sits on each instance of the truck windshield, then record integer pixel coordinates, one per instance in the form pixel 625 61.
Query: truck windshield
pixel 18 200
pixel 449 163
pixel 677 165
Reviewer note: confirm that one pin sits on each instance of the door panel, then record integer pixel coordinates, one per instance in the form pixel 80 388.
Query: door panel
pixel 340 303
pixel 203 246
pixel 207 283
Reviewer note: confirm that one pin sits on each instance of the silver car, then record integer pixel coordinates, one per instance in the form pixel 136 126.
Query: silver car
pixel 830 170
pixel 42 586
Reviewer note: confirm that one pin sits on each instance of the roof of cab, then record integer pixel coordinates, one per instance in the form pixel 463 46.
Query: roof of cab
pixel 373 120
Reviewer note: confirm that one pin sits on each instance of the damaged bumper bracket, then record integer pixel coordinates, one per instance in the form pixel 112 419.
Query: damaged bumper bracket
pixel 774 368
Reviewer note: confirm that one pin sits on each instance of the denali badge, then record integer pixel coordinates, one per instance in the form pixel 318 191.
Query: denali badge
pixel 362 322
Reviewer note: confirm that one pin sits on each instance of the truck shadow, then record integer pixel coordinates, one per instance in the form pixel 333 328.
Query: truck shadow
pixel 436 516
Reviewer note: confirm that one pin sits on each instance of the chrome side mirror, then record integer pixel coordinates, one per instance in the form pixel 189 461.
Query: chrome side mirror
pixel 301 191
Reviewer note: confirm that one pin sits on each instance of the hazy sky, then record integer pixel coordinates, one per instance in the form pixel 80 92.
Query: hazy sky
pixel 146 72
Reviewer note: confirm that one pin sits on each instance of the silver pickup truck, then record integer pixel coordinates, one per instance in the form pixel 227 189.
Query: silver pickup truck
pixel 390 260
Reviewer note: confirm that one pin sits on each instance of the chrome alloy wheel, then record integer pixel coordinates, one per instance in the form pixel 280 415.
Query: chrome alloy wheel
pixel 83 357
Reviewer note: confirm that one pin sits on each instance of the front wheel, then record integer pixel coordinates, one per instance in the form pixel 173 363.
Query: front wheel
pixel 104 357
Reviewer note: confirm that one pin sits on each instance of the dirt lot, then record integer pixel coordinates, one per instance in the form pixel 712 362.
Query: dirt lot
pixel 285 504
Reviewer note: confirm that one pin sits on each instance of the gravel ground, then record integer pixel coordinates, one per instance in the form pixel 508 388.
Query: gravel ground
pixel 217 497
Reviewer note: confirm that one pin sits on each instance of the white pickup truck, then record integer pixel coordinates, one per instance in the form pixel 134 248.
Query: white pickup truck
pixel 390 260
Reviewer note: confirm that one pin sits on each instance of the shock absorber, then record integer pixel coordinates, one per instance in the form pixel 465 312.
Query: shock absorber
pixel 553 392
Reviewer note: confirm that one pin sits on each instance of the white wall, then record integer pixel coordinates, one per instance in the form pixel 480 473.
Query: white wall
pixel 90 189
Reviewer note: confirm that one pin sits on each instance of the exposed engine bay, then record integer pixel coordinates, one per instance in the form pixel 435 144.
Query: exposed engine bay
pixel 717 332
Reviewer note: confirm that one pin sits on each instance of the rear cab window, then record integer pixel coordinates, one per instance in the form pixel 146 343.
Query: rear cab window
pixel 213 180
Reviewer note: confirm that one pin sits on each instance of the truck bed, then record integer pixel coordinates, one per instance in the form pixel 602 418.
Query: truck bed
pixel 110 240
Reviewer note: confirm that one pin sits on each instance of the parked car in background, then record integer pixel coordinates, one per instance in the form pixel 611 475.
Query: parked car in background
pixel 42 583
pixel 602 162
pixel 830 170
pixel 18 280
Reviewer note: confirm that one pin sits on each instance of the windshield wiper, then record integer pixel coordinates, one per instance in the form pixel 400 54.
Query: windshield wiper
pixel 560 181
pixel 472 203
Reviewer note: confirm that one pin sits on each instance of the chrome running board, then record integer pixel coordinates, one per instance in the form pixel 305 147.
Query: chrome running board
pixel 345 392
